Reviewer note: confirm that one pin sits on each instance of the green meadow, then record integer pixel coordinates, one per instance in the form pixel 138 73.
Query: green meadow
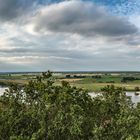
pixel 91 81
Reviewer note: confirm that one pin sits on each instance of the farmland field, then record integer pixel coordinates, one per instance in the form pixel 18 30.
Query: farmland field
pixel 92 81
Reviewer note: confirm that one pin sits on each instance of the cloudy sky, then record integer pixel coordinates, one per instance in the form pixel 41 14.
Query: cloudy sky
pixel 37 35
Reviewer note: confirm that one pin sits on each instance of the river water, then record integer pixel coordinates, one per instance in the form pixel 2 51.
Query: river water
pixel 134 98
pixel 2 89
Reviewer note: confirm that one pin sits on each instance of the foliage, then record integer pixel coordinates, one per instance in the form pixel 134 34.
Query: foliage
pixel 41 110
pixel 125 79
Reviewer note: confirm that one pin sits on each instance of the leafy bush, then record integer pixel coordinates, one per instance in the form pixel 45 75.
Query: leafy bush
pixel 41 110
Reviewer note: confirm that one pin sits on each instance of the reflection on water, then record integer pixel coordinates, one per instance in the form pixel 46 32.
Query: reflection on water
pixel 134 98
pixel 2 89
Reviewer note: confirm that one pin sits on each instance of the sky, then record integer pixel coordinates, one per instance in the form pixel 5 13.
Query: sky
pixel 69 35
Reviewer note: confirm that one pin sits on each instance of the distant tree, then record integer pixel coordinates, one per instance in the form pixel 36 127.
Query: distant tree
pixel 125 79
pixel 97 76
pixel 68 76
pixel 137 89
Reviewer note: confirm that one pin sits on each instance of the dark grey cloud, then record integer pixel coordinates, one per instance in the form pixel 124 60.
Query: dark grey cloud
pixel 11 9
pixel 83 18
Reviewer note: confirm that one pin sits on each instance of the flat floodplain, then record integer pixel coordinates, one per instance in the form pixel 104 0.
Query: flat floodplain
pixel 92 81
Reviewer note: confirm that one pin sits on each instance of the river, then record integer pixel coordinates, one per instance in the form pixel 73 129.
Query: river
pixel 2 89
pixel 135 98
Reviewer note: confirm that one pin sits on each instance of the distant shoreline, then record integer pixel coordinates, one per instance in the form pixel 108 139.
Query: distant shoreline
pixel 36 72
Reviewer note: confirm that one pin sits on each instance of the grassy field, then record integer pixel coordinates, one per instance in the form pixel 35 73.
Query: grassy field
pixel 97 86
pixel 92 81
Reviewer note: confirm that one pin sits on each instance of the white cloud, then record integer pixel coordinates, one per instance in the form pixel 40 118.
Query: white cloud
pixel 68 38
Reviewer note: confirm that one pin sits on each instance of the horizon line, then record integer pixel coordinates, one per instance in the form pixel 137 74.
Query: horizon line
pixel 73 71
